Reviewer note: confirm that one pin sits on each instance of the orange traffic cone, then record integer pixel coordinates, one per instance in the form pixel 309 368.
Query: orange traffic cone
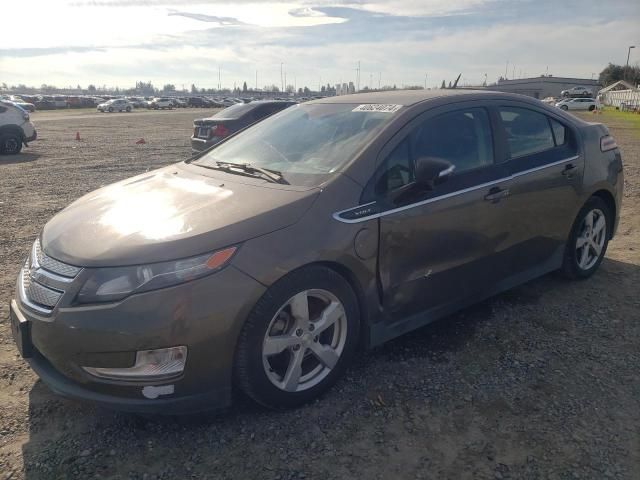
pixel 141 142
pixel 78 136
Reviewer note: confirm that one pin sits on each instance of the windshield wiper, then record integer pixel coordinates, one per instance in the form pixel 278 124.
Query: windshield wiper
pixel 271 175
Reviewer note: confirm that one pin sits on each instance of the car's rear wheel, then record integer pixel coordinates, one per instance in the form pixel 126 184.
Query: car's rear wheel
pixel 110 109
pixel 128 109
pixel 564 107
pixel 10 144
pixel 592 108
pixel 589 239
pixel 299 338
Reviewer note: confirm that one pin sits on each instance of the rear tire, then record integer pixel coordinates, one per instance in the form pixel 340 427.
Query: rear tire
pixel 564 107
pixel 299 338
pixel 592 108
pixel 10 144
pixel 588 240
pixel 128 109
pixel 110 109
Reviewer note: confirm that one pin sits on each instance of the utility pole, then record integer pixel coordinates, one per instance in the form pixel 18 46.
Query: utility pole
pixel 379 78
pixel 256 80
pixel 219 83
pixel 425 81
pixel 358 78
pixel 281 77
pixel 513 75
pixel 505 70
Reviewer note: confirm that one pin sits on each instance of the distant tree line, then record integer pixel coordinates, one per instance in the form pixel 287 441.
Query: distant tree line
pixel 612 73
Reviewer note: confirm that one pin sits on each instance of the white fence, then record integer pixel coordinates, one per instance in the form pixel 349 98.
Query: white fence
pixel 625 98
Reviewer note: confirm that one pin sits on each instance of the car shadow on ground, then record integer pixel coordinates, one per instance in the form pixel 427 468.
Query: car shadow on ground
pixel 20 158
pixel 69 439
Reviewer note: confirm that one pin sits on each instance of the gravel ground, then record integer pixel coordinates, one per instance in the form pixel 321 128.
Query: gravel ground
pixel 540 382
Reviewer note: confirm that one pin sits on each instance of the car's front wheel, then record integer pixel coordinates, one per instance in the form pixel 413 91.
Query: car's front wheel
pixel 588 240
pixel 110 109
pixel 10 144
pixel 128 109
pixel 298 339
pixel 564 107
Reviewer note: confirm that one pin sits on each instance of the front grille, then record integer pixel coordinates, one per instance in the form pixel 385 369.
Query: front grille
pixel 43 280
pixel 38 293
pixel 53 265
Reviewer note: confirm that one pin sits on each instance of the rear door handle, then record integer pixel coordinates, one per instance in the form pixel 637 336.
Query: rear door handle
pixel 569 170
pixel 495 194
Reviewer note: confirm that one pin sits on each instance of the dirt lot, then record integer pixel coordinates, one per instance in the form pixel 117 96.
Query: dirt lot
pixel 542 382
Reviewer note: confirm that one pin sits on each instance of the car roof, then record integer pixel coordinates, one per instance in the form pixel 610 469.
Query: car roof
pixel 411 97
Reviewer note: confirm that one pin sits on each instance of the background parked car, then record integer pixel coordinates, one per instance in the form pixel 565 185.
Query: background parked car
pixel 197 102
pixel 117 105
pixel 209 131
pixel 29 107
pixel 60 101
pixel 45 103
pixel 578 104
pixel 16 128
pixel 137 102
pixel 178 103
pixel 577 92
pixel 160 103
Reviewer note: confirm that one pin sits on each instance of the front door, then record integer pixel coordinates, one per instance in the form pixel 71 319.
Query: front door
pixel 442 246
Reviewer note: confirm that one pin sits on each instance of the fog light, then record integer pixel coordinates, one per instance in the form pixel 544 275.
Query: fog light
pixel 150 365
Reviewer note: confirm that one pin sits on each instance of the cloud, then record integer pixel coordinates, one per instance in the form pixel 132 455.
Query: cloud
pixel 223 21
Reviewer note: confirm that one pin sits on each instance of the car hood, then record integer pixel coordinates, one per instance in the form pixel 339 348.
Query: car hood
pixel 168 214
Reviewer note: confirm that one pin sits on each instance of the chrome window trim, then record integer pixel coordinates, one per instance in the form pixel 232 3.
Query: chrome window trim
pixel 337 216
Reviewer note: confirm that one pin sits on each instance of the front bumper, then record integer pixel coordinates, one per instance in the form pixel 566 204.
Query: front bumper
pixel 31 138
pixel 206 315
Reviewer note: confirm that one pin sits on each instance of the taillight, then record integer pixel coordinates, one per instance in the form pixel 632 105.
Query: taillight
pixel 220 131
pixel 607 143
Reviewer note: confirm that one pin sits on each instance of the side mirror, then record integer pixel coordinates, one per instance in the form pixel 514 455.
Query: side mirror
pixel 430 171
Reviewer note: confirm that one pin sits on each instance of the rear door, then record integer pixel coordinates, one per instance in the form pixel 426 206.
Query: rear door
pixel 546 167
pixel 442 246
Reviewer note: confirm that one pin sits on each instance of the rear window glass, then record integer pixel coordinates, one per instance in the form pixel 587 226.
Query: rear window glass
pixel 528 132
pixel 235 111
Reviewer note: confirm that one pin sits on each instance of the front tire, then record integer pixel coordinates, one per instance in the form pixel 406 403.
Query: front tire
pixel 110 109
pixel 128 109
pixel 299 338
pixel 10 144
pixel 588 240
pixel 564 107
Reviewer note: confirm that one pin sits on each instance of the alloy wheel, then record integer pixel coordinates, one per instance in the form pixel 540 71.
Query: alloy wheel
pixel 304 340
pixel 591 239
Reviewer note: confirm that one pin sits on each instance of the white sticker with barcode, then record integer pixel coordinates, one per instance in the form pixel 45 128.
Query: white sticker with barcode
pixel 377 107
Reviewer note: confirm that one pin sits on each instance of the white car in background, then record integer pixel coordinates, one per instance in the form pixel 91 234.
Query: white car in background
pixel 161 103
pixel 577 92
pixel 578 104
pixel 116 105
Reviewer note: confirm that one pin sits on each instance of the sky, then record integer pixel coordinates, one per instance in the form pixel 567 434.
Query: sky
pixel 401 42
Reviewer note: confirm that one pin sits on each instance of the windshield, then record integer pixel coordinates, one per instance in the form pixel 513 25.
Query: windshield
pixel 306 143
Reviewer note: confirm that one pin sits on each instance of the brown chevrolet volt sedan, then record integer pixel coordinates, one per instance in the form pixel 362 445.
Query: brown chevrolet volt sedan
pixel 338 223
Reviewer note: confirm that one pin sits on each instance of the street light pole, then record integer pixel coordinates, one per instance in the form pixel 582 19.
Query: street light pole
pixel 629 53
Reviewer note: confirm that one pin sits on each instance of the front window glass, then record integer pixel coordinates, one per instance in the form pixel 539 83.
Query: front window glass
pixel 306 143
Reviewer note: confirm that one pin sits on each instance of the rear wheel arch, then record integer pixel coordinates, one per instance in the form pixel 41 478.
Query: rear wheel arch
pixel 609 200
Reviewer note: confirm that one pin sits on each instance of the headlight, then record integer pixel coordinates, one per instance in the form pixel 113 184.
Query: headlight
pixel 112 284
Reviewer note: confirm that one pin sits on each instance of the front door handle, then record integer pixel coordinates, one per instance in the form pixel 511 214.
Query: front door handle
pixel 496 193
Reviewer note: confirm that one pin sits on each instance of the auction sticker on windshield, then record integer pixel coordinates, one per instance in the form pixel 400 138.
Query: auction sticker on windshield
pixel 377 107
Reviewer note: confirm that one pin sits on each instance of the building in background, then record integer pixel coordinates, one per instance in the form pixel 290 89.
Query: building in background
pixel 543 86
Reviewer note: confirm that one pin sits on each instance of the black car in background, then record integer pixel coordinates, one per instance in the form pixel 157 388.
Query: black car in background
pixel 197 102
pixel 209 131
